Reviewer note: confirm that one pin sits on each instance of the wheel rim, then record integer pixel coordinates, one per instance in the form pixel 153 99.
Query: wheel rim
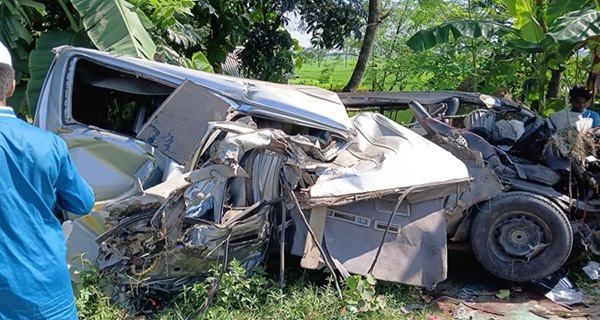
pixel 519 235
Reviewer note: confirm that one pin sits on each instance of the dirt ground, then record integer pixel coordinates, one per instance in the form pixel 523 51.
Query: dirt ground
pixel 471 293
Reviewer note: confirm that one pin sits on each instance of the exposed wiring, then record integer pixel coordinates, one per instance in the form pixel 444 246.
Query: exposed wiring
pixel 312 234
pixel 389 223
pixel 214 287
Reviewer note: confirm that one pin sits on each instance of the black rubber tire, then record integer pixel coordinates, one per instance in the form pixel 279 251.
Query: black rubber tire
pixel 505 229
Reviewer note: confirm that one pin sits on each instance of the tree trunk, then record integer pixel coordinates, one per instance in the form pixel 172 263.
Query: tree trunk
pixel 366 50
pixel 554 85
pixel 593 81
pixel 540 15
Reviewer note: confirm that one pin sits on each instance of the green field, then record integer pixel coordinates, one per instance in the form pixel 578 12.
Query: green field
pixel 331 73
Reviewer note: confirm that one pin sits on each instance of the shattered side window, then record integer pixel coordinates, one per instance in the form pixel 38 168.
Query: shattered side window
pixel 112 100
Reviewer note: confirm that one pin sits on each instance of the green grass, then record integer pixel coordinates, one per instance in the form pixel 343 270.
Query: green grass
pixel 332 73
pixel 307 295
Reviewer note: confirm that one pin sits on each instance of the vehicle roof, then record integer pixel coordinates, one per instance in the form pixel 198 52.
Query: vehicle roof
pixel 304 105
pixel 365 99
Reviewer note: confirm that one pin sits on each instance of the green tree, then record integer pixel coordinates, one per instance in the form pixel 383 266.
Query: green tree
pixel 549 31
pixel 226 24
pixel 269 50
pixel 450 65
pixel 330 22
pixel 188 32
pixel 366 50
pixel 31 29
pixel 265 31
pixel 173 29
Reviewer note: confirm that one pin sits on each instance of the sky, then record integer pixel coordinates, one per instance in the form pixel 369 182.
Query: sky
pixel 303 38
pixel 292 28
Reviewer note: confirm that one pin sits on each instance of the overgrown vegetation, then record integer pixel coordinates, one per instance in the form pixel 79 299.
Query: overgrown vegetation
pixel 307 295
pixel 259 296
pixel 487 46
pixel 91 301
pixel 530 49
pixel 198 34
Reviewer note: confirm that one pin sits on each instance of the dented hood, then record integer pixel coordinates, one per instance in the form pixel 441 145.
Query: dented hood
pixel 386 156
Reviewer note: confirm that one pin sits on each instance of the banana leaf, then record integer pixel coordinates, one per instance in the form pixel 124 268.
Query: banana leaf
pixel 114 26
pixel 429 38
pixel 524 19
pixel 560 8
pixel 576 26
pixel 527 46
pixel 41 58
pixel 14 18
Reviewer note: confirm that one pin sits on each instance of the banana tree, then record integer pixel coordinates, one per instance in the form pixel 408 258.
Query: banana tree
pixel 551 36
pixel 572 25
pixel 115 27
pixel 13 16
pixel 109 25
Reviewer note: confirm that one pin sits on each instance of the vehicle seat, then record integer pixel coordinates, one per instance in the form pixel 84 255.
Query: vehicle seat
pixel 437 111
pixel 480 122
pixel 474 142
pixel 531 144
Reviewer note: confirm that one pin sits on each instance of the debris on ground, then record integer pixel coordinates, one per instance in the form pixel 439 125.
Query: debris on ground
pixel 592 269
pixel 473 295
pixel 565 293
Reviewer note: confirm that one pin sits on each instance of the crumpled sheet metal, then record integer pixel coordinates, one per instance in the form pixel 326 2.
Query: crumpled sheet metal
pixel 177 239
pixel 306 151
pixel 184 224
pixel 383 156
pixel 140 261
pixel 209 188
pixel 232 148
pixel 311 106
pixel 415 253
pixel 134 258
pixel 485 185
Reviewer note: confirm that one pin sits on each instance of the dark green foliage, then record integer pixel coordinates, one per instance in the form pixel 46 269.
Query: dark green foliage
pixel 331 22
pixel 429 38
pixel 271 65
pixel 226 23
pixel 179 32
pixel 269 50
pixel 91 301
pixel 236 291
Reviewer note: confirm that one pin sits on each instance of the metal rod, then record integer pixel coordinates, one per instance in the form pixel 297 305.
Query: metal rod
pixel 389 223
pixel 282 248
pixel 312 234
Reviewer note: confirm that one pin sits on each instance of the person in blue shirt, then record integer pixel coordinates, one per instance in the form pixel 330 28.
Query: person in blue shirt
pixel 36 175
pixel 581 98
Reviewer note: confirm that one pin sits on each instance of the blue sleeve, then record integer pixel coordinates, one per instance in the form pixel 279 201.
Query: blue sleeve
pixel 595 119
pixel 72 192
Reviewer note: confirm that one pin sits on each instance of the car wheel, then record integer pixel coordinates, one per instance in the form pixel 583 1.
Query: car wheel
pixel 521 236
